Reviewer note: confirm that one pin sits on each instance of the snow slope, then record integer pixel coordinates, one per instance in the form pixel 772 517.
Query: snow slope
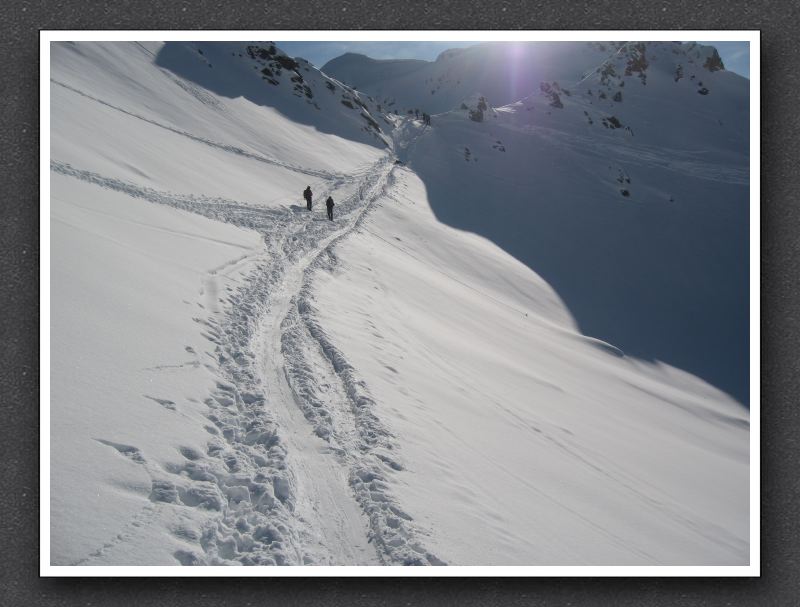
pixel 131 284
pixel 235 380
pixel 150 302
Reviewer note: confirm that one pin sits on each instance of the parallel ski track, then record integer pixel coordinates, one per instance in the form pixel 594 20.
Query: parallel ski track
pixel 313 363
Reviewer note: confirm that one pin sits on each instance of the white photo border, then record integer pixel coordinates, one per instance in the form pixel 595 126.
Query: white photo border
pixel 753 569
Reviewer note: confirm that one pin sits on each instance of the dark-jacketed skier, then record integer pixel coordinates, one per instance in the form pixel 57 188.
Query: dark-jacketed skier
pixel 329 204
pixel 307 196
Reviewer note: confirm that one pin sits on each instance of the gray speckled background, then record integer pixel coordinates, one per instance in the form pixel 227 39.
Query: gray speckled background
pixel 19 246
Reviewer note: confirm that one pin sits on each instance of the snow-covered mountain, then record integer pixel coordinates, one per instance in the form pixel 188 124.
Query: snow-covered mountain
pixel 236 380
pixel 507 72
pixel 265 75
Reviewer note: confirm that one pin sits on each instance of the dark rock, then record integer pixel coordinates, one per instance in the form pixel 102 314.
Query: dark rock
pixel 637 62
pixel 714 62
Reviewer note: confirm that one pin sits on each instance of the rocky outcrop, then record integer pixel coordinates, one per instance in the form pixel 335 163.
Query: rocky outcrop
pixel 551 92
pixel 714 62
pixel 637 62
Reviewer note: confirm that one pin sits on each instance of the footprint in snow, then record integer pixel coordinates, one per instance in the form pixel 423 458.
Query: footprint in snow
pixel 167 404
pixel 129 451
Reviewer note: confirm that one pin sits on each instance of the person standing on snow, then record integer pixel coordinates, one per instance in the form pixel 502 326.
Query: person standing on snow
pixel 307 196
pixel 329 204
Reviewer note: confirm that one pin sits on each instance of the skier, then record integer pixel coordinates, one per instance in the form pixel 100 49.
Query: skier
pixel 329 204
pixel 307 196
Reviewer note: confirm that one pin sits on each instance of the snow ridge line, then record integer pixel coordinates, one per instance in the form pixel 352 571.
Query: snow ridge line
pixel 369 450
pixel 222 146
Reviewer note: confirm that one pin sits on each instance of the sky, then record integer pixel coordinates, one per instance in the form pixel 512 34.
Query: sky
pixel 320 53
pixel 735 55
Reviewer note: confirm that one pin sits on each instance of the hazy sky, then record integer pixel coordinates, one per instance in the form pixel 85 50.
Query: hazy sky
pixel 735 55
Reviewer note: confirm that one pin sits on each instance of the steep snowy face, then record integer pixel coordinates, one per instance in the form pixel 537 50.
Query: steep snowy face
pixel 263 74
pixel 507 72
pixel 625 186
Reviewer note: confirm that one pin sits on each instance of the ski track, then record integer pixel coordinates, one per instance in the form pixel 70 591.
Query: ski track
pixel 298 465
pixel 347 420
pixel 642 155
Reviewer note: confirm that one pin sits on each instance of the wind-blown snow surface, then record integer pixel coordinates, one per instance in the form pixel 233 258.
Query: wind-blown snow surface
pixel 235 380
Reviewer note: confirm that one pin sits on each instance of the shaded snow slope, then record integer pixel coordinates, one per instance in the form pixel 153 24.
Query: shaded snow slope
pixel 634 211
pixel 264 75
pixel 362 71
pixel 522 441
